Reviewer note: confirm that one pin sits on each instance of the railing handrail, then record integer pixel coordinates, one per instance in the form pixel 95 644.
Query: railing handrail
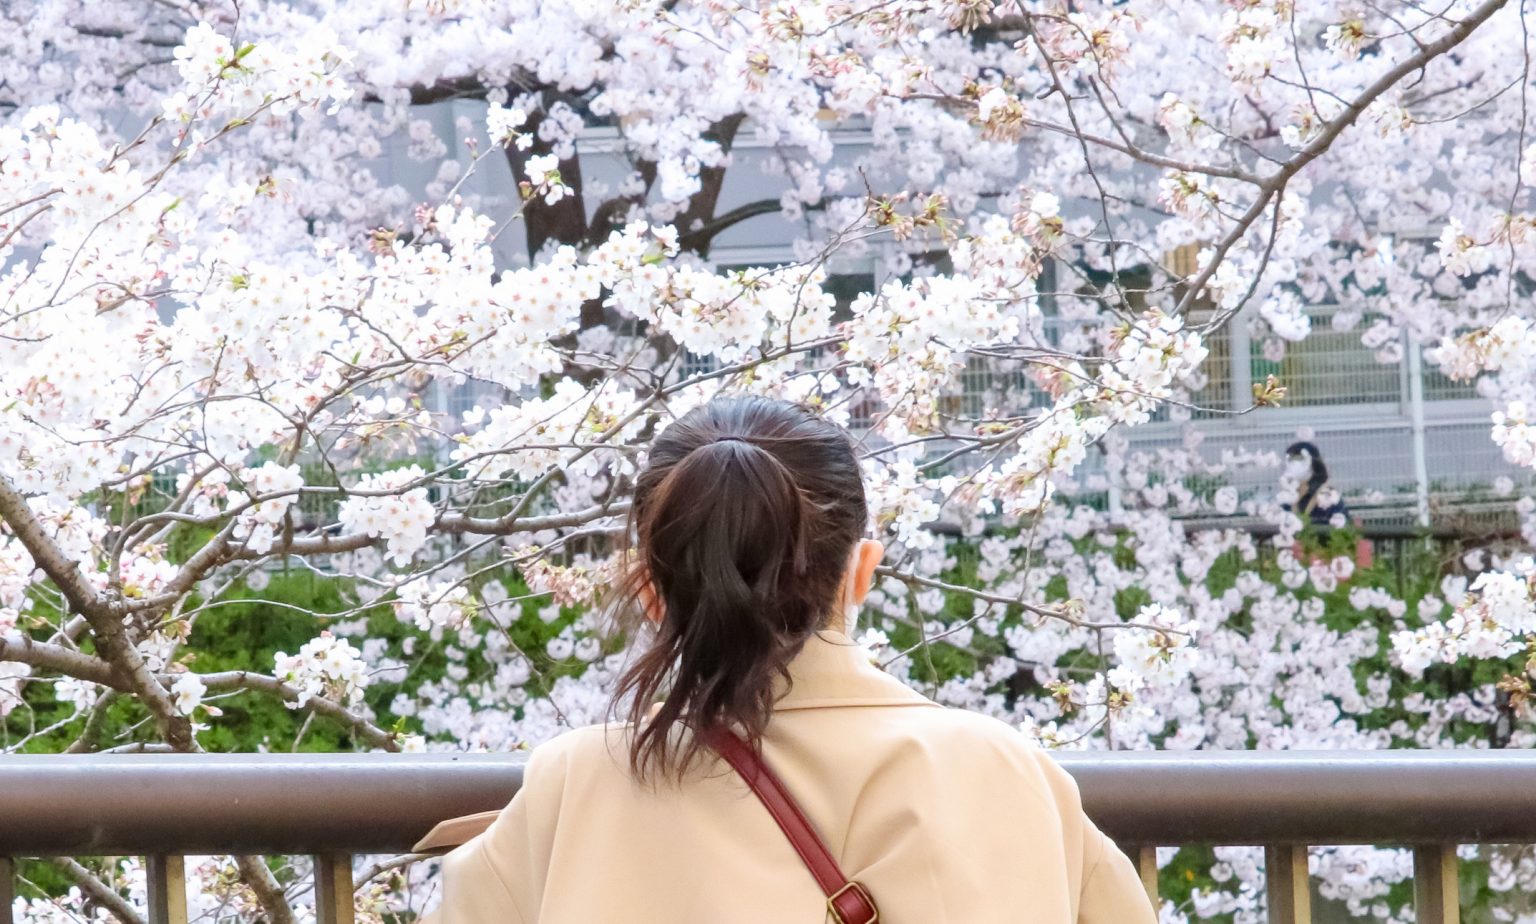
pixel 382 803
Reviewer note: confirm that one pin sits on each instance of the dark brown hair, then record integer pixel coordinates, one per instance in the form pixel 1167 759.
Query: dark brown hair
pixel 743 520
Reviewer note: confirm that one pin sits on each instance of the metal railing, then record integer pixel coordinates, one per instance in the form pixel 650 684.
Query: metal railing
pixel 332 807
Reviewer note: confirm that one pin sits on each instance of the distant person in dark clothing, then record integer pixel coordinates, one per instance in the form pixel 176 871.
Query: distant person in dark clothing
pixel 1315 500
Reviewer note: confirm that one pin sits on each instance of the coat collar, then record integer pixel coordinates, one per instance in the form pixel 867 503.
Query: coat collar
pixel 833 670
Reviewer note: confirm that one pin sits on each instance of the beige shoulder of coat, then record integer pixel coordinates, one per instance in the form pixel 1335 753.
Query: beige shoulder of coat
pixel 446 835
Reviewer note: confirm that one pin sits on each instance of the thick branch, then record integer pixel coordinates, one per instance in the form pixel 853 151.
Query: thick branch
pixel 22 650
pixel 156 41
pixel 98 891
pixel 268 892
pixel 104 616
pixel 699 239
pixel 46 554
pixel 19 648
pixel 204 560
pixel 611 214
pixel 701 206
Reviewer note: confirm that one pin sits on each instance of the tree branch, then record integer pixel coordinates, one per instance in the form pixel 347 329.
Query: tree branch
pixel 701 205
pixel 610 215
pixel 1145 156
pixel 104 616
pixel 247 680
pixel 94 721
pixel 487 526
pixel 156 41
pixel 98 891
pixel 1276 181
pixel 264 884
pixel 23 650
pixel 46 554
pixel 384 866
pixel 699 239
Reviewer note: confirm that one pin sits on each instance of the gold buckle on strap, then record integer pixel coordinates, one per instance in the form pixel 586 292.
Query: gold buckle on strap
pixel 838 915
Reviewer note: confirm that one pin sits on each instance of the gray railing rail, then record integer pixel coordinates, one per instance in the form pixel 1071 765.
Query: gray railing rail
pixel 166 806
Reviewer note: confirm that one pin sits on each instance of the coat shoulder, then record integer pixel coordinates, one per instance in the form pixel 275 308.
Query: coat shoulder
pixel 982 742
pixel 576 744
pixel 957 725
pixel 581 750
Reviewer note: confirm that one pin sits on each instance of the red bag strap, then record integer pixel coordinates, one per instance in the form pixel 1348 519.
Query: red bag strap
pixel 848 901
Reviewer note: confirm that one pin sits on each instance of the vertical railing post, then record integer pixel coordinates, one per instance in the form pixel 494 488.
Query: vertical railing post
pixel 167 880
pixel 1287 885
pixel 1416 422
pixel 334 903
pixel 7 888
pixel 1436 887
pixel 1146 865
pixel 1240 362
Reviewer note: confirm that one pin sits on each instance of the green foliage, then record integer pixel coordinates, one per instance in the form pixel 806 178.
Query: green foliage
pixel 245 631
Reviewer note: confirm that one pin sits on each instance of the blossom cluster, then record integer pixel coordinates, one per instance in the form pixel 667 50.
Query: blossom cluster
pixel 224 80
pixel 278 488
pixel 1147 360
pixel 324 666
pixel 1495 620
pixel 380 508
pixel 1162 652
pixel 429 604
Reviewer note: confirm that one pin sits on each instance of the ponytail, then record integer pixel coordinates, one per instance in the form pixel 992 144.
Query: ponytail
pixel 742 521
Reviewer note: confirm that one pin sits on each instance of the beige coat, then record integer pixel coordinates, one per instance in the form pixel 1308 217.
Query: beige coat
pixel 946 816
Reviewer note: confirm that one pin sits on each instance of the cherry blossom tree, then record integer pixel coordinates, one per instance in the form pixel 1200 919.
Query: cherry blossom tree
pixel 222 320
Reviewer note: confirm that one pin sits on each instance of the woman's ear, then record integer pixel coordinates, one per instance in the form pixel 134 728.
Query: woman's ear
pixel 866 559
pixel 649 601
